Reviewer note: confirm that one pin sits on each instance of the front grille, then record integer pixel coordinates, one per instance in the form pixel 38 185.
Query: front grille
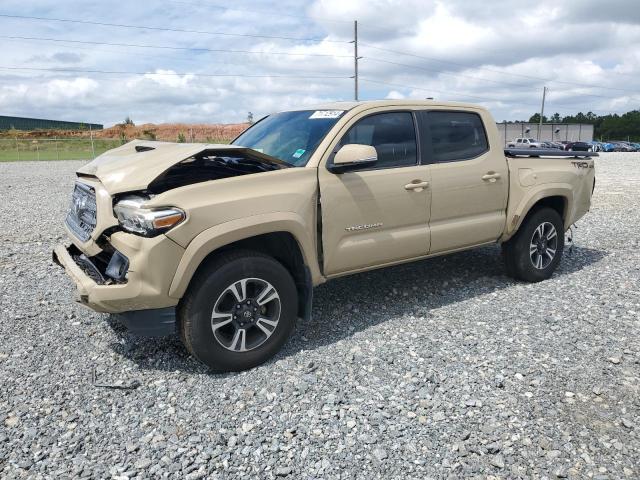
pixel 81 218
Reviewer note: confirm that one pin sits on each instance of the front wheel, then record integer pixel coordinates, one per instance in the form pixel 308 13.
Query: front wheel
pixel 239 310
pixel 535 250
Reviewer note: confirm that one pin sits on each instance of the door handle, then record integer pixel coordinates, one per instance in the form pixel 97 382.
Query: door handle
pixel 417 185
pixel 492 177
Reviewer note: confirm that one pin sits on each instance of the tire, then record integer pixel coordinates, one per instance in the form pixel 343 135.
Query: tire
pixel 214 311
pixel 524 263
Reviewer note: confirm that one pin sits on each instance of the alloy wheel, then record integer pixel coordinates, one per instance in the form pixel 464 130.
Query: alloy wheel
pixel 543 245
pixel 245 314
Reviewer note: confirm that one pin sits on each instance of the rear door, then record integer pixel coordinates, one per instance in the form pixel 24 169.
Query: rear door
pixel 380 214
pixel 469 180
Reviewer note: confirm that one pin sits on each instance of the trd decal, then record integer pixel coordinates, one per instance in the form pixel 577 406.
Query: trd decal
pixel 581 164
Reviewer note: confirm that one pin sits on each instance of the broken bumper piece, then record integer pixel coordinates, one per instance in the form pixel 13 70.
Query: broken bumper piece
pixel 106 285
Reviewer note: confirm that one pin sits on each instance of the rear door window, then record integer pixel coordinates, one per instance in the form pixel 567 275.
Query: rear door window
pixel 452 136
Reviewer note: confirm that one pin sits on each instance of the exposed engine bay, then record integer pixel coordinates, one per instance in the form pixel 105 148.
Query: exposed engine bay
pixel 213 165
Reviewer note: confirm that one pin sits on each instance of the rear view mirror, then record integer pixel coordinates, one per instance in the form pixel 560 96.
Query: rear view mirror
pixel 353 157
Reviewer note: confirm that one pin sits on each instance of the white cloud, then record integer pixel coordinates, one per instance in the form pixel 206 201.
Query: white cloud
pixel 444 32
pixel 170 78
pixel 48 94
pixel 395 95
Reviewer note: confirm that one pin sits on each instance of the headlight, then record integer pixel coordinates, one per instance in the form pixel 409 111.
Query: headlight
pixel 146 221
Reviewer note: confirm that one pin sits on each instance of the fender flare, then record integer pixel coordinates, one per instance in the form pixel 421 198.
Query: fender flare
pixel 537 193
pixel 226 233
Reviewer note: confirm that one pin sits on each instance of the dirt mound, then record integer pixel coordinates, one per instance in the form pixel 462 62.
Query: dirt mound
pixel 171 132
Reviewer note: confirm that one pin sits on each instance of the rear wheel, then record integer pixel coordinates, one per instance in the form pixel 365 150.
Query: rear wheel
pixel 239 311
pixel 536 249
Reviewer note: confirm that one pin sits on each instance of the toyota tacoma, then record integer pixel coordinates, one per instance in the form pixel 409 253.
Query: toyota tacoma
pixel 223 244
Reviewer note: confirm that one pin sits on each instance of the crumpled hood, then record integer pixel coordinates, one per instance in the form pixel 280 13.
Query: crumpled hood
pixel 135 165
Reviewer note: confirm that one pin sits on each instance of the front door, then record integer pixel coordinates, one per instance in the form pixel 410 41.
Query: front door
pixel 378 215
pixel 469 180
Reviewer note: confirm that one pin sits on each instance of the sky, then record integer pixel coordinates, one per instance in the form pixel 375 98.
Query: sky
pixel 209 61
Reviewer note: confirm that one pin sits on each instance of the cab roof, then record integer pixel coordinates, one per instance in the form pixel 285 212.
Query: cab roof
pixel 349 105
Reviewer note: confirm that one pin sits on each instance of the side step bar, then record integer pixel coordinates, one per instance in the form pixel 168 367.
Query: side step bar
pixel 545 152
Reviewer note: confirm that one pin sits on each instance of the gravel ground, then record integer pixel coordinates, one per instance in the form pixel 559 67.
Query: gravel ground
pixel 440 369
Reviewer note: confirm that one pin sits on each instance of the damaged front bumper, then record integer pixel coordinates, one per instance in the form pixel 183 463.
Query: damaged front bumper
pixel 131 279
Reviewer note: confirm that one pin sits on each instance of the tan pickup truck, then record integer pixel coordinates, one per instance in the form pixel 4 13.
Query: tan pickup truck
pixel 223 244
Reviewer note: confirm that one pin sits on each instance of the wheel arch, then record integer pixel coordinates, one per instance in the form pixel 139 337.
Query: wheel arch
pixel 283 239
pixel 559 203
pixel 559 199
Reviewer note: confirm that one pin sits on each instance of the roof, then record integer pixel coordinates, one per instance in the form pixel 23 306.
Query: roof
pixel 348 105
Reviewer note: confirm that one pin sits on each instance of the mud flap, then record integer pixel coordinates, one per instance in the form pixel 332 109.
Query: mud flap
pixel 305 298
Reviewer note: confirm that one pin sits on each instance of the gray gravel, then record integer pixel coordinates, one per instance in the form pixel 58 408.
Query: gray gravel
pixel 441 369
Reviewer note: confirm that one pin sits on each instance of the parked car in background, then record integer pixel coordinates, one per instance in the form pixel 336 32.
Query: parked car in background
pixel 607 146
pixel 578 147
pixel 636 146
pixel 622 147
pixel 557 145
pixel 631 146
pixel 595 146
pixel 525 143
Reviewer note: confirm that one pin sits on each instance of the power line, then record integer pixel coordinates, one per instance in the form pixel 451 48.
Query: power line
pixel 442 72
pixel 428 90
pixel 398 52
pixel 483 99
pixel 169 47
pixel 197 49
pixel 114 72
pixel 73 49
pixel 147 56
pixel 165 29
pixel 260 12
pixel 477 78
pixel 277 14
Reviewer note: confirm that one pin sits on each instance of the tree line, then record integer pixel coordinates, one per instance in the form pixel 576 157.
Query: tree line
pixel 605 127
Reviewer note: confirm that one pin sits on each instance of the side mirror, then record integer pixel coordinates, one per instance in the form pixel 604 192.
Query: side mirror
pixel 353 157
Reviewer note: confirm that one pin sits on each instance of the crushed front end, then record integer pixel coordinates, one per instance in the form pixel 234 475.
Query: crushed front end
pixel 121 256
pixel 117 271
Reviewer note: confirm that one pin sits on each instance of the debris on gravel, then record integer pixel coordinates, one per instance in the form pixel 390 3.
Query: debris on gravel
pixel 444 368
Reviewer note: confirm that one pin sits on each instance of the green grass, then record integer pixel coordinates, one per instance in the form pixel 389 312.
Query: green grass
pixel 46 149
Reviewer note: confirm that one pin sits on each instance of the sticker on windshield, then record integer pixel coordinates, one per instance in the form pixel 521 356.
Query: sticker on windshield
pixel 298 153
pixel 326 114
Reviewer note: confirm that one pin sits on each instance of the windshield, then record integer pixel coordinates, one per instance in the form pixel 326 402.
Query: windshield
pixel 290 136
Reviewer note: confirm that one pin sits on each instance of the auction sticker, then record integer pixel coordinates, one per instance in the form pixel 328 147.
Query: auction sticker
pixel 326 114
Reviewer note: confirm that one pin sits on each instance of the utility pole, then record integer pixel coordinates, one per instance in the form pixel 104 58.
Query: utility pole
pixel 355 58
pixel 544 94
